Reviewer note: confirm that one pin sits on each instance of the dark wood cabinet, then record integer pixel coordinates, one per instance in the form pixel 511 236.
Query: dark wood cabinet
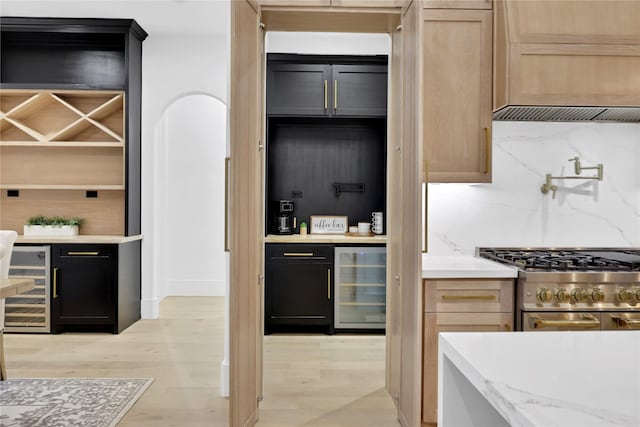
pixel 299 288
pixel 359 90
pixel 298 89
pixel 95 287
pixel 325 89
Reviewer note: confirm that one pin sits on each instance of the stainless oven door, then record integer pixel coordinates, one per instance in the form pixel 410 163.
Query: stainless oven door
pixel 621 321
pixel 554 321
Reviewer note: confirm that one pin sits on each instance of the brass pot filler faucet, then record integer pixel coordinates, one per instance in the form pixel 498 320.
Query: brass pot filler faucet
pixel 578 169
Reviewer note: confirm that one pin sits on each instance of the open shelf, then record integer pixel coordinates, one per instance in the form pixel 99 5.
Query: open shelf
pixel 66 115
pixel 104 214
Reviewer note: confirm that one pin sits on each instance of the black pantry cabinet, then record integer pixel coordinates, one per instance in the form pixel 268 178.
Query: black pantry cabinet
pixel 341 86
pixel 95 287
pixel 298 288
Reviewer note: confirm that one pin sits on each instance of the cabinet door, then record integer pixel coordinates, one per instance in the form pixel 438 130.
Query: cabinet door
pixel 457 4
pixel 84 285
pixel 435 323
pixel 298 89
pixel 456 94
pixel 298 294
pixel 359 90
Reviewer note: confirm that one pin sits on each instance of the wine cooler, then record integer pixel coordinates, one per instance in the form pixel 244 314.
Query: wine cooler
pixel 29 311
pixel 360 287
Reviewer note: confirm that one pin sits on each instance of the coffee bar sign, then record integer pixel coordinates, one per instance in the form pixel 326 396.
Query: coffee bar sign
pixel 321 224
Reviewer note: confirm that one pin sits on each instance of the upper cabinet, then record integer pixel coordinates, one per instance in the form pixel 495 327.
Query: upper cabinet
pixel 456 94
pixel 334 3
pixel 70 111
pixel 568 53
pixel 315 89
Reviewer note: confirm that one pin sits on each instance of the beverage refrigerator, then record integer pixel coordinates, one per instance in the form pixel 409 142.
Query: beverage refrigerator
pixel 360 287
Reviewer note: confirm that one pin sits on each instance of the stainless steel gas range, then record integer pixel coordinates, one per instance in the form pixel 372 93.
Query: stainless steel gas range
pixel 574 288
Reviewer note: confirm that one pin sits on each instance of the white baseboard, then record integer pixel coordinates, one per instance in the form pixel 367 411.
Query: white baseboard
pixel 150 308
pixel 224 378
pixel 196 288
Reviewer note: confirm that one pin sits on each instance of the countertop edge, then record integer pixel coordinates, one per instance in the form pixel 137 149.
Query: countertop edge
pixel 82 238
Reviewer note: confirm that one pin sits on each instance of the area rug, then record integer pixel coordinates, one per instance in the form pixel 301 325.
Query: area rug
pixel 67 402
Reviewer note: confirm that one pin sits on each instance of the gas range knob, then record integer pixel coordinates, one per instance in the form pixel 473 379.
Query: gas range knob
pixel 577 294
pixel 596 295
pixel 638 294
pixel 544 294
pixel 561 295
pixel 624 295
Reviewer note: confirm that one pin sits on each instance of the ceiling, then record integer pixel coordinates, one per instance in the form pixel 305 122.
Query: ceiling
pixel 157 17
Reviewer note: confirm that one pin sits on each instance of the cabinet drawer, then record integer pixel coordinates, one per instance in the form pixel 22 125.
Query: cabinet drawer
pixel 78 253
pixel 299 253
pixel 468 295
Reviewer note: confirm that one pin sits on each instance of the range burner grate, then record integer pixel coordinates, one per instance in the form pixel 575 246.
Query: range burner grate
pixel 565 259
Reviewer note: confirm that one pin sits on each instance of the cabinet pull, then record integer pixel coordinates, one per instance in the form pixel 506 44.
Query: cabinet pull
pixel 622 322
pixel 298 254
pixel 71 253
pixel 329 284
pixel 335 95
pixel 55 282
pixel 326 95
pixel 470 297
pixel 487 149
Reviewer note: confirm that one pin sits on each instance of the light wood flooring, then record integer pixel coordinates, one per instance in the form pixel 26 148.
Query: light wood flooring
pixel 309 380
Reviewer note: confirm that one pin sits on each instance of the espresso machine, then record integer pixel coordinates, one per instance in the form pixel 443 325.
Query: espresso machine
pixel 283 220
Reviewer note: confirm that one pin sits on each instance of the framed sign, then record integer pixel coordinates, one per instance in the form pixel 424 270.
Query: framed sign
pixel 322 224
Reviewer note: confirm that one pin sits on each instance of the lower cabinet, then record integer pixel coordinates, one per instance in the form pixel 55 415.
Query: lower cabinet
pixel 459 305
pixel 298 288
pixel 95 287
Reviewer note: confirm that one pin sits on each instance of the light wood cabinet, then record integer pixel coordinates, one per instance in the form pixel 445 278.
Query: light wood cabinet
pixel 581 53
pixel 459 305
pixel 58 149
pixel 334 3
pixel 456 94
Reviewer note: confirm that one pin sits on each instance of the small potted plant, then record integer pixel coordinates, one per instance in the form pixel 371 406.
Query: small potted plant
pixel 40 225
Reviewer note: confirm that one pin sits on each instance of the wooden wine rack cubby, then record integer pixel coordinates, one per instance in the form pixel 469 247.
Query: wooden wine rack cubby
pixel 62 152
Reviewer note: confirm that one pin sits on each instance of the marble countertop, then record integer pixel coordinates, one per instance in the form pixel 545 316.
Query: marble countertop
pixel 452 267
pixel 564 379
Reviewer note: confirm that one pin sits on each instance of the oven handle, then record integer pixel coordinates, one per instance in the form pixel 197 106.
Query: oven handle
pixel 621 322
pixel 586 322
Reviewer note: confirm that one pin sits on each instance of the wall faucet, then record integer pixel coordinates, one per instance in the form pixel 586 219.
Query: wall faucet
pixel 547 186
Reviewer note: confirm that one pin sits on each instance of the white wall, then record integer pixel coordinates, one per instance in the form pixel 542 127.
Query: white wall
pixel 194 131
pixel 173 67
pixel 512 211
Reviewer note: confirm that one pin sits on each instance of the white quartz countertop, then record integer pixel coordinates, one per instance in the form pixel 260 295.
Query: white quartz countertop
pixel 564 379
pixel 452 267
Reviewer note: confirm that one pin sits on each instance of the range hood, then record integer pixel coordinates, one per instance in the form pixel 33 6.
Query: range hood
pixel 567 61
pixel 567 114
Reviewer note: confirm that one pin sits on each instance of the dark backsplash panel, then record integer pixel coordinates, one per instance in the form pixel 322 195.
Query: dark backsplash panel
pixel 306 157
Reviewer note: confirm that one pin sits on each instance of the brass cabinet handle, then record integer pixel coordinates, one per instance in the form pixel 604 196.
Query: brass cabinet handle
pixel 326 95
pixel 328 283
pixel 487 149
pixel 335 95
pixel 586 322
pixel 55 282
pixel 298 254
pixel 83 253
pixel 470 297
pixel 626 323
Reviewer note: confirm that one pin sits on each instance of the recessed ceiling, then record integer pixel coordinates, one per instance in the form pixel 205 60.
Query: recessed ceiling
pixel 157 17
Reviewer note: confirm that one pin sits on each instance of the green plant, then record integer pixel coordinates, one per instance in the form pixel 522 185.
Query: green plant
pixel 56 221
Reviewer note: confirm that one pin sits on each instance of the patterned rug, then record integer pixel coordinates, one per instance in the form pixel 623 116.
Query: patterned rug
pixel 65 402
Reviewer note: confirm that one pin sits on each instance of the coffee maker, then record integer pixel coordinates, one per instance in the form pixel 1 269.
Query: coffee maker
pixel 283 220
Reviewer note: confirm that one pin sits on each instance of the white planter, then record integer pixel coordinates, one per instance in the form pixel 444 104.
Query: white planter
pixel 50 230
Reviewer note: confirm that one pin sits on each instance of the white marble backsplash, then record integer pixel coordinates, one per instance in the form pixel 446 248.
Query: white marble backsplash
pixel 512 211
